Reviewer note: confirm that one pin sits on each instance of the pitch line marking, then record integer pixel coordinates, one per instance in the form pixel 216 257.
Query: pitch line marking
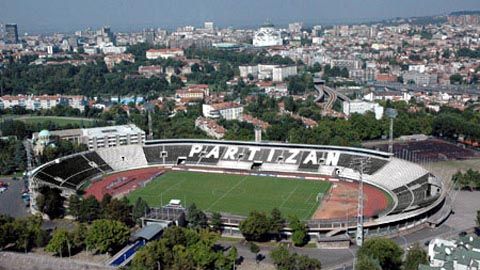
pixel 226 193
pixel 289 195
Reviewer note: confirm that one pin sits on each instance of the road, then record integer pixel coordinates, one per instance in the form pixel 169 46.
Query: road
pixel 451 89
pixel 332 95
pixel 11 202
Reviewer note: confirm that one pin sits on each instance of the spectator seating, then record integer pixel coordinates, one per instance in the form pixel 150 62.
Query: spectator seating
pixel 397 173
pixel 176 151
pixel 124 157
pixel 70 171
pixel 153 154
pixel 94 157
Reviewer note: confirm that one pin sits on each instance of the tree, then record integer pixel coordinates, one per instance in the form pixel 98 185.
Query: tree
pixel 107 235
pixel 184 248
pixel 196 217
pixel 386 251
pixel 285 260
pixel 255 227
pixel 216 222
pixel 416 255
pixel 22 233
pixel 89 210
pixel 306 263
pixel 60 243
pixel 456 79
pixel 51 202
pixel 78 236
pixel 277 222
pixel 300 231
pixel 232 256
pixel 74 204
pixel 140 209
pixel 118 210
pixel 282 258
pixel 367 263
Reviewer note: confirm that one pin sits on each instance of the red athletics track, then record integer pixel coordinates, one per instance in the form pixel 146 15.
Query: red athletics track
pixel 342 199
pixel 122 182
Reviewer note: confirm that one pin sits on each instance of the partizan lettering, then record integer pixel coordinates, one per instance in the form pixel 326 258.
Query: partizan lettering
pixel 290 156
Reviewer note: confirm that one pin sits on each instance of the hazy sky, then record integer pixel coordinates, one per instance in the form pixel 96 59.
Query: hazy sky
pixel 69 15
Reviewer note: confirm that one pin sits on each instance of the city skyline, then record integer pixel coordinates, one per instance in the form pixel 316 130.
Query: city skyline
pixel 127 15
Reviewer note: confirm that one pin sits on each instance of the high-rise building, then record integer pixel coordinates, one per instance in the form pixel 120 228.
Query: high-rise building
pixel 11 33
pixel 295 27
pixel 208 25
pixel 149 35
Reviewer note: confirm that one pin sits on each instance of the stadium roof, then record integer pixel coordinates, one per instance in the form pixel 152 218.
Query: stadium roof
pixel 111 130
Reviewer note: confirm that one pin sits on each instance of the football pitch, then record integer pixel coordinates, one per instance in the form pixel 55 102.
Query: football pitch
pixel 235 194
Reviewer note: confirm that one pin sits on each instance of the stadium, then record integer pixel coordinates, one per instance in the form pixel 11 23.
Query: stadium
pixel 320 184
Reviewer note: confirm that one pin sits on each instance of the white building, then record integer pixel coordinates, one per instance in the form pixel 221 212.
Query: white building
pixel 209 26
pixel 361 107
pixel 45 102
pixel 277 73
pixel 295 27
pixel 99 137
pixel 460 254
pixel 103 137
pixel 109 48
pixel 226 110
pixel 246 70
pixel 267 36
pixel 280 73
pixel 164 53
pixel 420 78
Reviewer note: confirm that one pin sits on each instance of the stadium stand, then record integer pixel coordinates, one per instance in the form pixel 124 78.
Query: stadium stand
pixel 153 154
pixel 374 165
pixel 397 173
pixel 123 157
pixel 210 160
pixel 405 199
pixel 42 176
pixel 94 157
pixel 174 152
pixel 69 171
pixel 307 167
pixel 64 168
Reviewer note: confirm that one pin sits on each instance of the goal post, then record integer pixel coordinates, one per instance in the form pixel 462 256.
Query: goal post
pixel 319 197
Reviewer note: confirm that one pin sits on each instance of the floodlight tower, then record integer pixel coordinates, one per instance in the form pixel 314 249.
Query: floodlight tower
pixel 360 164
pixel 392 114
pixel 150 108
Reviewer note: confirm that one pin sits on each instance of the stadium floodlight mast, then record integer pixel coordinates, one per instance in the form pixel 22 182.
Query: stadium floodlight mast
pixel 392 114
pixel 150 108
pixel 360 164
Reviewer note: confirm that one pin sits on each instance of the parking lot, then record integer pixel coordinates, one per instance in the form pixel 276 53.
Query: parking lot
pixel 11 202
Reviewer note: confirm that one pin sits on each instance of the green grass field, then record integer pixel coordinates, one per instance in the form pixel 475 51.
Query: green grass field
pixel 234 194
pixel 58 120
